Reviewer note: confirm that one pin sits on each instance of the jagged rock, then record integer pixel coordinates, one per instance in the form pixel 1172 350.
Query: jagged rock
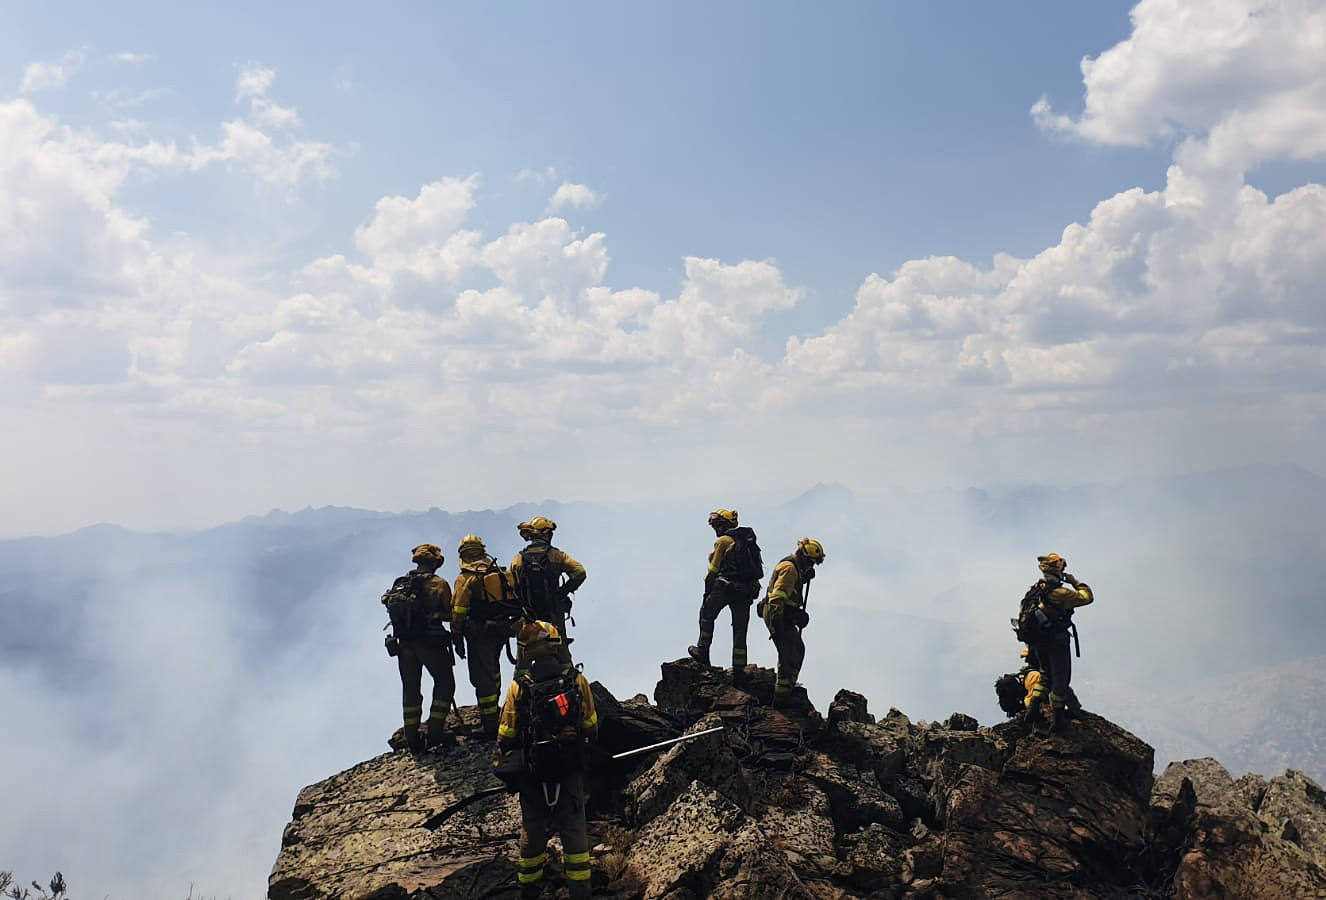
pixel 849 706
pixel 708 760
pixel 1227 846
pixel 782 805
pixel 1294 799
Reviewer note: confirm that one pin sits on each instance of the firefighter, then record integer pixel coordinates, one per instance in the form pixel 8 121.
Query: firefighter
pixel 546 720
pixel 545 577
pixel 483 613
pixel 419 604
pixel 784 612
pixel 1044 623
pixel 732 582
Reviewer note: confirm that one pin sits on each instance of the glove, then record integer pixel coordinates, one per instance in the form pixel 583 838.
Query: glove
pixel 1071 579
pixel 458 640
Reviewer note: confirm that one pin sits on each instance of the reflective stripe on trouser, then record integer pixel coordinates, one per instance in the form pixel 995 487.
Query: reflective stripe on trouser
pixel 576 866
pixel 1057 673
pixel 411 659
pixel 791 654
pixel 484 643
pixel 567 818
pixel 714 603
pixel 530 869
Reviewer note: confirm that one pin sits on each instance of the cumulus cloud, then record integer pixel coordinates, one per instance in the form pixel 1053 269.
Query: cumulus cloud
pixel 1240 80
pixel 577 196
pixel 1199 295
pixel 43 76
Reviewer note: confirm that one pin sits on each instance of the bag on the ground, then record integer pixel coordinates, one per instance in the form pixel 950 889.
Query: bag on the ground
pixel 406 607
pixel 1011 693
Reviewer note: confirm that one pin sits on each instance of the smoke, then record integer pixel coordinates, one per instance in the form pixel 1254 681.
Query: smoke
pixel 167 696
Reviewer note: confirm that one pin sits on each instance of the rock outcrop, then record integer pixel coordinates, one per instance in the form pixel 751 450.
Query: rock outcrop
pixel 784 803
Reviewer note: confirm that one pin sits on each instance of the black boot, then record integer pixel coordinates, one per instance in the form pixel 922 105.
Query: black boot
pixel 1060 723
pixel 699 654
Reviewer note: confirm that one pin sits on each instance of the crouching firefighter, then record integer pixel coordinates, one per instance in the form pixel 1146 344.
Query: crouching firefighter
pixel 1044 623
pixel 483 614
pixel 419 604
pixel 1015 690
pixel 783 610
pixel 546 720
pixel 538 571
pixel 732 582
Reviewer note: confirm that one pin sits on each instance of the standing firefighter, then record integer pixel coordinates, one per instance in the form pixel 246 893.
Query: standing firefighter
pixel 732 582
pixel 784 611
pixel 546 720
pixel 1044 623
pixel 483 613
pixel 419 604
pixel 538 571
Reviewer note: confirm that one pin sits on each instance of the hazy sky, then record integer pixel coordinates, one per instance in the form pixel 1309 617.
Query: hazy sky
pixel 464 255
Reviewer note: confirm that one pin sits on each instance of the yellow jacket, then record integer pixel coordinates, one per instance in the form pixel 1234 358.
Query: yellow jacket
pixel 724 543
pixel 437 600
pixel 508 725
pixel 1068 598
pixel 472 572
pixel 562 563
pixel 785 584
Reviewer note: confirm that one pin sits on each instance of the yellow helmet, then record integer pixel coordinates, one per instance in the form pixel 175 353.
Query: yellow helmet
pixel 427 554
pixel 1052 563
pixel 728 516
pixel 471 542
pixel 811 549
pixel 540 523
pixel 538 639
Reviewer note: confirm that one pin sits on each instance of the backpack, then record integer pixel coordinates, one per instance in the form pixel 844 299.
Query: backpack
pixel 540 585
pixel 405 605
pixel 1011 692
pixel 550 713
pixel 743 567
pixel 494 581
pixel 1034 623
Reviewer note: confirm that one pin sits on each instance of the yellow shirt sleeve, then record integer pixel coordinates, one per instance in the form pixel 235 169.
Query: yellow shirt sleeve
pixel 1066 597
pixel 460 598
pixel 506 722
pixel 786 584
pixel 439 600
pixel 719 553
pixel 574 571
pixel 589 716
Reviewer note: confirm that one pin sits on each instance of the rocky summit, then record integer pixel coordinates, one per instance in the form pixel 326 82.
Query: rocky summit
pixel 789 803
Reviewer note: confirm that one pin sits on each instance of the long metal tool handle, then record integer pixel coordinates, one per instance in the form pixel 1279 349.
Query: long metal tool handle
pixel 668 742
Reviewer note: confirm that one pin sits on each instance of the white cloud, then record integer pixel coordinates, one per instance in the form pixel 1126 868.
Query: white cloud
pixel 253 84
pixel 1241 80
pixel 131 58
pixel 578 196
pixel 43 76
pixel 404 228
pixel 1200 295
pixel 254 81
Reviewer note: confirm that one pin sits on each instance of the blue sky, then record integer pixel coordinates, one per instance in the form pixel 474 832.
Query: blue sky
pixel 836 144
pixel 254 230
